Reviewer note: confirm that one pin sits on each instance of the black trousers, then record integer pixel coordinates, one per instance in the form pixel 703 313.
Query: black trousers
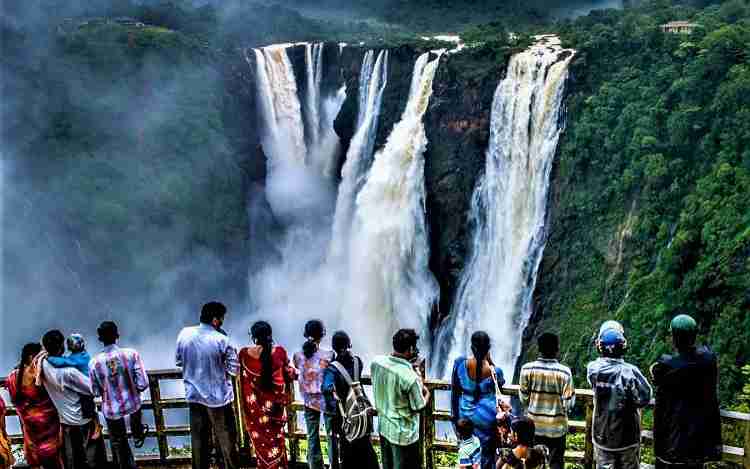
pixel 82 452
pixel 556 447
pixel 122 455
pixel 357 454
pixel 209 426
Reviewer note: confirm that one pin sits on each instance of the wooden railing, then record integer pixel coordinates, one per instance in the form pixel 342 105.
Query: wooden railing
pixel 431 415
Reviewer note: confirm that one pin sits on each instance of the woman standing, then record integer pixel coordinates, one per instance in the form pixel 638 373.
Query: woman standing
pixel 6 455
pixel 266 379
pixel 42 443
pixel 358 453
pixel 473 394
pixel 310 364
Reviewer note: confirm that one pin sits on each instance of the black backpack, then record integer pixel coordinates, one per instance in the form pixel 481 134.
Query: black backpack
pixel 356 411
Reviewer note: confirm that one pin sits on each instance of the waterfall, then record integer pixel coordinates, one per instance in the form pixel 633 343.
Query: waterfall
pixel 372 81
pixel 508 212
pixel 390 284
pixel 314 69
pixel 301 148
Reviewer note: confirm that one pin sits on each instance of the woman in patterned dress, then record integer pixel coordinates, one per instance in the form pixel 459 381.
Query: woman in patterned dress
pixel 42 441
pixel 266 377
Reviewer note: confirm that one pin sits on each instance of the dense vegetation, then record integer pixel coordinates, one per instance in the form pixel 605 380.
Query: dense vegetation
pixel 652 204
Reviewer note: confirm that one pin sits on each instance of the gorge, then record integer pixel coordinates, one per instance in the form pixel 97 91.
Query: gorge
pixel 200 155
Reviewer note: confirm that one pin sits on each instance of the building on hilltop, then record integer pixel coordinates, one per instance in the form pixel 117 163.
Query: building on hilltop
pixel 679 27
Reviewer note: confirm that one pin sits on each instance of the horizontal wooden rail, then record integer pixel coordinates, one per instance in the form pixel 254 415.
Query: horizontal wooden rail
pixel 584 398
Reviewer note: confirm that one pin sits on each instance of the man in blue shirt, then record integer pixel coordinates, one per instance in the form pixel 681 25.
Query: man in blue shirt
pixel 208 363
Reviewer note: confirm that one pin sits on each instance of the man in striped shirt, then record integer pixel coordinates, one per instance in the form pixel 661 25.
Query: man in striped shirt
pixel 118 377
pixel 547 393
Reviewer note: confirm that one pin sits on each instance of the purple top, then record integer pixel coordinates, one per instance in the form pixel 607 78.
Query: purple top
pixel 311 376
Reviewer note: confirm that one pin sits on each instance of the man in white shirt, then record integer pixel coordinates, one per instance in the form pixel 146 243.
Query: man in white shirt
pixel 84 446
pixel 209 361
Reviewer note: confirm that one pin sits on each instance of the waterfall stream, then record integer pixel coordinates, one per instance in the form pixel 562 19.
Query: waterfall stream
pixel 372 82
pixel 508 212
pixel 390 284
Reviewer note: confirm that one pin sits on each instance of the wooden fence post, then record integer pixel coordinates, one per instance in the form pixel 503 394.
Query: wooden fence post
pixel 747 445
pixel 588 449
pixel 292 425
pixel 427 430
pixel 161 437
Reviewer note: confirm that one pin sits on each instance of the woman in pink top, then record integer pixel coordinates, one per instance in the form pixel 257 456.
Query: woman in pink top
pixel 310 364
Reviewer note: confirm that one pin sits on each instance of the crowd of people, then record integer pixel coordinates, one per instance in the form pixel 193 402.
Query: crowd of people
pixel 54 394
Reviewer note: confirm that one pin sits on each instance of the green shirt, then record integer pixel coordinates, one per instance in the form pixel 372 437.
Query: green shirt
pixel 398 399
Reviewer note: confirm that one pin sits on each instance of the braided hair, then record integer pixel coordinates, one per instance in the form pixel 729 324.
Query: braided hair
pixel 480 348
pixel 314 332
pixel 262 335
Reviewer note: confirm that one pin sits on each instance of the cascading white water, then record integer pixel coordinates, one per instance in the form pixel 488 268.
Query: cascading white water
pixel 372 82
pixel 314 69
pixel 508 212
pixel 301 149
pixel 390 284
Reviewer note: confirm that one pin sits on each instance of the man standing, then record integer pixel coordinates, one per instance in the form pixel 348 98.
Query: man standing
pixel 208 363
pixel 620 392
pixel 118 377
pixel 547 393
pixel 687 423
pixel 84 445
pixel 399 397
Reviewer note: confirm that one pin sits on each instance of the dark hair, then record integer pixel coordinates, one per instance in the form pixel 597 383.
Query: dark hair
pixel 480 348
pixel 262 335
pixel 549 345
pixel 684 340
pixel 54 342
pixel 314 331
pixel 341 345
pixel 108 333
pixel 30 350
pixel 524 429
pixel 464 428
pixel 404 339
pixel 212 310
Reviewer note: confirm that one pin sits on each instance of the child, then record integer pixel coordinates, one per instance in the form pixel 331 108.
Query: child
pixel 469 449
pixel 79 359
pixel 524 455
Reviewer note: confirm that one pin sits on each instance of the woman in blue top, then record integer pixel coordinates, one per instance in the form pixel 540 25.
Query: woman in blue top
pixel 473 394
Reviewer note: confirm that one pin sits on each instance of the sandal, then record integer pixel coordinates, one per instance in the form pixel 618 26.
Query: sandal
pixel 141 439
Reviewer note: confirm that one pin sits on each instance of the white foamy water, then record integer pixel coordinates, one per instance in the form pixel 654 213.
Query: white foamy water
pixel 509 209
pixel 390 284
pixel 372 82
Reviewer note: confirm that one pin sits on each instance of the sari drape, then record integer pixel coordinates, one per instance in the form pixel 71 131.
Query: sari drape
pixel 265 409
pixel 42 440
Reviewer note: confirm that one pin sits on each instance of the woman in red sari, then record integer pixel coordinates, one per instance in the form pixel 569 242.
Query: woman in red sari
pixel 266 378
pixel 42 442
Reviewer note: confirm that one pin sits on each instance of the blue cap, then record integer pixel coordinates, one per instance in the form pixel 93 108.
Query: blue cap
pixel 611 337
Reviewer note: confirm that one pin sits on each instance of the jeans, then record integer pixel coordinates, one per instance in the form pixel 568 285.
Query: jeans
pixel 122 456
pixel 81 452
pixel 627 459
pixel 556 447
pixel 314 450
pixel 400 457
pixel 219 422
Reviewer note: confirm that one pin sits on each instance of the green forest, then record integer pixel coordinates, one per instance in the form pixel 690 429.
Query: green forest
pixel 133 134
